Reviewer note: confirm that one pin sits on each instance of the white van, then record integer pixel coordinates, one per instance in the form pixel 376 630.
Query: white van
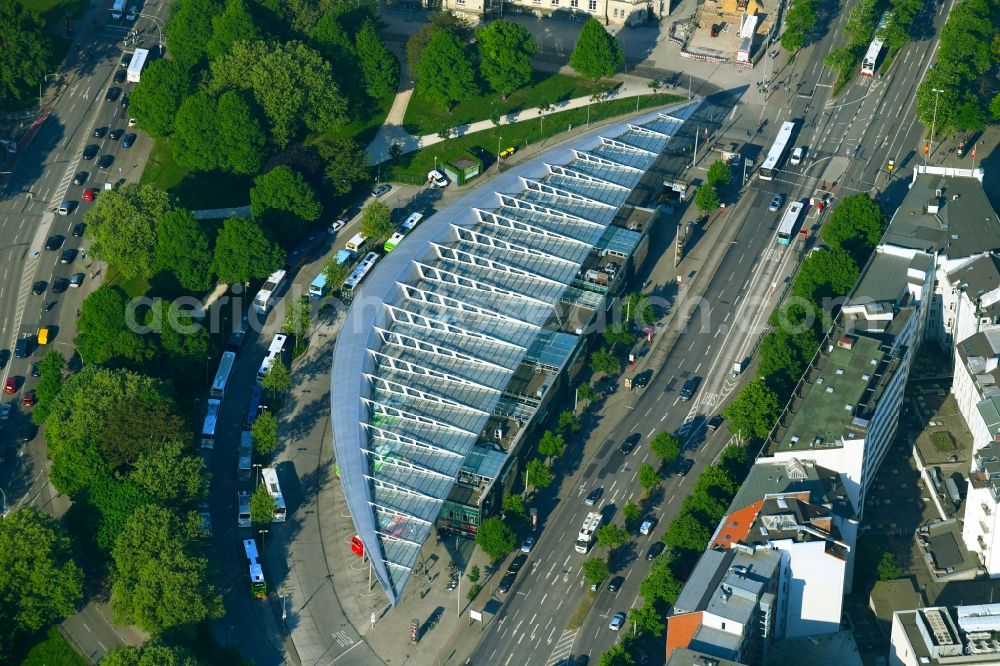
pixel 646 527
pixel 65 208
pixel 797 155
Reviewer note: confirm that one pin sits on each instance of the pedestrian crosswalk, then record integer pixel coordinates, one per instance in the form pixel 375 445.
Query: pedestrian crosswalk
pixel 562 652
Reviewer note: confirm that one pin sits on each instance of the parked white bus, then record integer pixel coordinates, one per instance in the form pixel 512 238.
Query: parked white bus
pixel 211 420
pixel 870 61
pixel 270 478
pixel 357 243
pixel 134 71
pixel 266 297
pixel 222 375
pixel 274 352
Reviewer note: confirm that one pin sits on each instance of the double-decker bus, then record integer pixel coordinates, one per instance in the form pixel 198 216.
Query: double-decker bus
pixel 402 230
pixel 211 420
pixel 790 221
pixel 256 395
pixel 274 353
pixel 258 587
pixel 357 243
pixel 221 380
pixel 270 477
pixel 267 297
pixel 358 276
pixel 777 152
pixel 870 62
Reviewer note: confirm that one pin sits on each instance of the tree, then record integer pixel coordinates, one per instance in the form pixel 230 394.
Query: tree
pixel 243 252
pixel 234 24
pixel 445 71
pixel 969 116
pixel 551 445
pixel 239 136
pixel 40 582
pixel 861 21
pixel 666 446
pixel 825 274
pixel 686 532
pixel 799 23
pixel 277 379
pixel 297 318
pixel 158 95
pixel 376 223
pixel 291 82
pixel 595 570
pixel 649 478
pixel 754 411
pixel 346 164
pixel 184 343
pixel 783 357
pixel 639 309
pixel 619 334
pixel 513 505
pixel 115 501
pixel 265 434
pixel 379 68
pixel 603 361
pixel 719 173
pixel 611 536
pixel 855 226
pixel 49 384
pixel 189 30
pixel 587 392
pixel 568 423
pixel 995 107
pixel 25 56
pixel 158 582
pixel 706 198
pixel 537 475
pixel 122 225
pixel 887 567
pixel 281 198
pixel 262 506
pixel 104 335
pixel 335 273
pixel 170 474
pixel 646 619
pixel 495 538
pixel 183 248
pixel 505 52
pixel 150 654
pixel 632 513
pixel 447 21
pixel 660 585
pixel 842 59
pixel 195 144
pixel 597 54
pixel 473 574
pixel 617 655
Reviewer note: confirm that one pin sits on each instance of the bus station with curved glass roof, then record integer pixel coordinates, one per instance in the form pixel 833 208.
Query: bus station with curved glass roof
pixel 457 343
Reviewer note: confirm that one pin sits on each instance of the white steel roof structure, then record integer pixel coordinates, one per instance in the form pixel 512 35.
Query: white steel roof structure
pixel 433 338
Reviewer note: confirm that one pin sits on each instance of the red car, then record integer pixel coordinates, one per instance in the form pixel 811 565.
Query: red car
pixel 29 399
pixel 88 194
pixel 11 386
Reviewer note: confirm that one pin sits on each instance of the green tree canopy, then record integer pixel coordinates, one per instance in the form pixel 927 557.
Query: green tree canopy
pixel 290 81
pixel 240 138
pixel 445 74
pixel 346 164
pixel 587 392
pixel 514 506
pixel 447 21
pixel 265 433
pixel 158 95
pixel 158 582
pixel 297 317
pixel 825 274
pixel 49 384
pixel 719 173
pixel 597 54
pixel 495 538
pixel 39 581
pixel 632 513
pixel 666 446
pixel 115 501
pixel 283 199
pixel 379 68
pixel 171 474
pixel 855 226
pixel 647 619
pixel 331 39
pixel 648 477
pixel 194 143
pixel 183 248
pixel 376 223
pixel 568 423
pixel 234 24
pixel 800 20
pixel 104 333
pixel 887 567
pixel 551 445
pixel 262 506
pixel 611 536
pixel 277 379
pixel 150 654
pixel 706 198
pixel 24 58
pixel 618 334
pixel 617 655
pixel 505 52
pixel 783 357
pixel 122 225
pixel 184 343
pixel 686 532
pixel 335 274
pixel 595 570
pixel 660 585
pixel 537 474
pixel 244 252
pixel 754 411
pixel 603 361
pixel 189 30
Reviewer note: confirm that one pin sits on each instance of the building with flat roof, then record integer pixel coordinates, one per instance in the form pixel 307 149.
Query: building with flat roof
pixel 688 657
pixel 946 636
pixel 981 528
pixel 463 335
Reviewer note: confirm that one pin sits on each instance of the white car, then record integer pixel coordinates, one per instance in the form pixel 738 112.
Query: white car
pixel 529 543
pixel 335 227
pixel 131 122
pixel 437 178
pixel 797 155
pixel 617 621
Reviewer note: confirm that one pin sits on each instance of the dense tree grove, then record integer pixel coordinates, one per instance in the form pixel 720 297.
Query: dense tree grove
pixel 25 56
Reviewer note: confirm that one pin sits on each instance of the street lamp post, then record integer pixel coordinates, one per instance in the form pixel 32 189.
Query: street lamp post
pixel 3 508
pixel 262 532
pixel 159 32
pixel 258 467
pixel 499 139
pixel 937 94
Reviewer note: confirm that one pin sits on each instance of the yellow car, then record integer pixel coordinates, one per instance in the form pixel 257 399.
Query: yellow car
pixel 43 335
pixel 890 166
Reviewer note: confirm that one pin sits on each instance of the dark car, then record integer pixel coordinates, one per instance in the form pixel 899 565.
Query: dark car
pixel 715 422
pixel 686 466
pixel 655 549
pixel 690 386
pixel 99 132
pixel 124 101
pixel 23 347
pixel 80 178
pixel 36 370
pixel 642 379
pixel 116 134
pixel 120 76
pixel 594 495
pixel 506 582
pixel 26 433
pixel 629 444
pixel 615 583
pixel 39 287
pixel 113 94
pixel 60 285
pixel 128 140
pixel 105 161
pixel 90 152
pixel 126 59
pixel 517 563
pixel 54 242
pixel 381 189
pixel 68 255
pixel 79 229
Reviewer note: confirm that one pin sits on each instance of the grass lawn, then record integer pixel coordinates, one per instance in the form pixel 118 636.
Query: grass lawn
pixel 363 130
pixel 413 167
pixel 196 190
pixel 53 651
pixel 426 117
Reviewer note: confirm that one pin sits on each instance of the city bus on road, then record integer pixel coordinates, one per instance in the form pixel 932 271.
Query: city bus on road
pixel 401 232
pixel 208 427
pixel 221 380
pixel 270 477
pixel 789 223
pixel 267 295
pixel 870 62
pixel 357 243
pixel 134 71
pixel 258 587
pixel 358 275
pixel 777 153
